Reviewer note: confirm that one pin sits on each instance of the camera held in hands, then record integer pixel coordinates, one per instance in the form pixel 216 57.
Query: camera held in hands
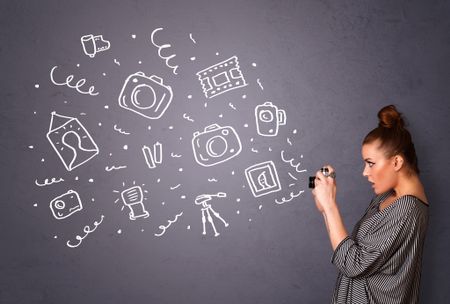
pixel 312 184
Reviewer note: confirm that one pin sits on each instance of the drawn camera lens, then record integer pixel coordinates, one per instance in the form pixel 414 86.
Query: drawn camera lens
pixel 216 146
pixel 143 97
pixel 266 116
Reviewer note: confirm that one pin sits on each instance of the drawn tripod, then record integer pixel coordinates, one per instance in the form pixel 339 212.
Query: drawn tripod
pixel 207 210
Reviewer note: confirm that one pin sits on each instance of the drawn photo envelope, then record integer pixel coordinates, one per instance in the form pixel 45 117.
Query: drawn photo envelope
pixel 71 141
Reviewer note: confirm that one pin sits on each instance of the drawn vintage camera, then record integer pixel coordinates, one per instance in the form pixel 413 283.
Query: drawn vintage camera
pixel 146 96
pixel 66 204
pixel 215 145
pixel 269 118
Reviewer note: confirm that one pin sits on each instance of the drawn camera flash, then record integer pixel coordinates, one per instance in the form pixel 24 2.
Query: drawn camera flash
pixel 94 44
pixel 132 198
pixel 153 157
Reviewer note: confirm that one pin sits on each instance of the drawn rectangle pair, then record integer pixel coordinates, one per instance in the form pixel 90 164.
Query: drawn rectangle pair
pixel 153 157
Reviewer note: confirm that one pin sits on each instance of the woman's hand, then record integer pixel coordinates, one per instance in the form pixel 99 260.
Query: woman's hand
pixel 324 191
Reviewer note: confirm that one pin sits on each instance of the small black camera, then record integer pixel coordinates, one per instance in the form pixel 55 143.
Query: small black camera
pixel 311 183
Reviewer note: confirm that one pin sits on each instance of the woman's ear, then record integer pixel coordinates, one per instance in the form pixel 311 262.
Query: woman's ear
pixel 398 161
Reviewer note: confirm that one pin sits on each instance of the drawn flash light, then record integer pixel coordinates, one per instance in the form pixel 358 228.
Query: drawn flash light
pixel 132 198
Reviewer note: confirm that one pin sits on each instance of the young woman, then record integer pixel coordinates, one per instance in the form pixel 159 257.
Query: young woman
pixel 380 262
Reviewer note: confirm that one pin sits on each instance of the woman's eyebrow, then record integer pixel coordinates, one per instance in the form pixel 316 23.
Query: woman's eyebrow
pixel 367 159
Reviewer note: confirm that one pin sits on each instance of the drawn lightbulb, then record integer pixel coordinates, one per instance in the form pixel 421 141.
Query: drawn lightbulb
pixel 133 198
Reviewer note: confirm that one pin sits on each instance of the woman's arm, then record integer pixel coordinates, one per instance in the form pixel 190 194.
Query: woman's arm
pixel 325 198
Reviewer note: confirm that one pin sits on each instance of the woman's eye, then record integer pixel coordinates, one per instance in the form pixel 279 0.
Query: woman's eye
pixel 370 164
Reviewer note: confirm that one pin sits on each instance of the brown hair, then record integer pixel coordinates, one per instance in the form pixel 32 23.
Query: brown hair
pixel 394 137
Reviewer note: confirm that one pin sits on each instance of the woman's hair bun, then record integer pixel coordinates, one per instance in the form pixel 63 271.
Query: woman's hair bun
pixel 390 118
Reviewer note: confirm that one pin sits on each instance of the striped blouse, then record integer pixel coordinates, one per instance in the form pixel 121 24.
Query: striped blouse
pixel 381 261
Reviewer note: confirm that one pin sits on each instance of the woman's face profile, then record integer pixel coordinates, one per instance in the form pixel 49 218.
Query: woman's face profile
pixel 379 170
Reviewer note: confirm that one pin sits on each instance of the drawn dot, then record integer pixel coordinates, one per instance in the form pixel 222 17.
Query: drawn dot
pixel 65 101
pixel 106 107
pixel 34 205
pixel 238 212
pixel 110 154
pixel 78 65
pixel 232 172
pixel 133 36
pixel 104 74
pixel 125 147
pixel 244 96
pixel 42 160
pixel 140 62
pixel 92 199
pixel 220 115
pixel 206 104
pixel 119 231
pixel 192 58
pixel 238 200
pixel 55 237
pixel 301 156
pixel 34 112
pixel 295 131
pixel 270 149
pixel 249 220
pixel 91 180
pixel 181 138
pixel 189 96
pixel 251 139
pixel 99 124
pixel 217 54
pixel 163 203
pixel 245 125
pixel 254 64
pixel 76 177
pixel 31 147
pixel 243 186
pixel 36 85
pixel 180 169
pixel 158 180
pixel 149 127
pixel 142 230
pixel 183 197
pixel 260 207
pixel 171 127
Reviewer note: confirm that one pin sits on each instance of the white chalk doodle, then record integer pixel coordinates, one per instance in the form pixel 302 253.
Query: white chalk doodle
pixel 109 169
pixel 259 83
pixel 212 180
pixel 289 141
pixel 254 150
pixel 269 119
pixel 292 176
pixel 215 145
pixel 77 86
pixel 65 205
pixel 120 130
pixel 160 48
pixel 170 222
pixel 292 185
pixel 185 116
pixel 146 96
pixel 175 187
pixel 133 198
pixel 48 182
pixel 190 36
pixel 94 44
pixel 68 132
pixel 291 197
pixel 207 210
pixel 87 230
pixel 175 155
pixel 153 157
pixel 116 62
pixel 221 77
pixel 291 163
pixel 263 178
pixel 232 106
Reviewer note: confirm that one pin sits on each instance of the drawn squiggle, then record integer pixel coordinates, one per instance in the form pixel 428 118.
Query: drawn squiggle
pixel 289 141
pixel 254 150
pixel 86 230
pixel 77 85
pixel 160 48
pixel 232 106
pixel 292 196
pixel 109 169
pixel 48 182
pixel 116 62
pixel 190 36
pixel 164 228
pixel 292 176
pixel 291 162
pixel 212 180
pixel 120 130
pixel 175 155
pixel 185 116
pixel 260 85
pixel 174 187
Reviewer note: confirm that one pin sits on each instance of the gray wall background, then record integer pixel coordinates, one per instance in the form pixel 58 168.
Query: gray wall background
pixel 331 65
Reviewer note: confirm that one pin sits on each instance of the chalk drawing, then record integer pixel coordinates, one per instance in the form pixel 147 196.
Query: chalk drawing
pixel 185 116
pixel 190 36
pixel 109 169
pixel 215 145
pixel 263 178
pixel 77 86
pixel 146 96
pixel 291 197
pixel 68 132
pixel 48 182
pixel 160 48
pixel 291 163
pixel 153 157
pixel 164 228
pixel 221 77
pixel 175 155
pixel 120 130
pixel 268 119
pixel 259 83
pixel 94 44
pixel 87 230
pixel 292 176
pixel 207 210
pixel 133 199
pixel 65 205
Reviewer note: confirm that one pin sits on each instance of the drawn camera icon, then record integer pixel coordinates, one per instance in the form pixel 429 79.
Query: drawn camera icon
pixel 215 145
pixel 66 204
pixel 146 96
pixel 268 119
